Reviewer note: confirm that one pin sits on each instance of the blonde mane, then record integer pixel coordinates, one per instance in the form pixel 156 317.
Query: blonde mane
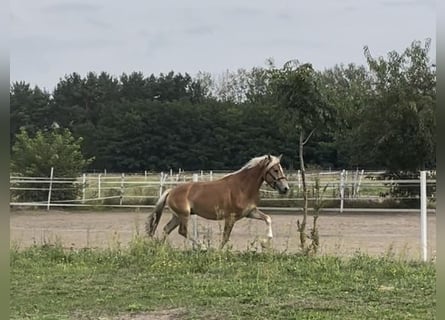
pixel 255 162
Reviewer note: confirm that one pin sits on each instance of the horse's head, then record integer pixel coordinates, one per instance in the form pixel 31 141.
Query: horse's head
pixel 274 175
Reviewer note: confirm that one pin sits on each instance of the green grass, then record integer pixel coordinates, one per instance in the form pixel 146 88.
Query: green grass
pixel 48 282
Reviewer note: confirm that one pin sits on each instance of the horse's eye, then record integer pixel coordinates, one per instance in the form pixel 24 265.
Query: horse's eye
pixel 276 170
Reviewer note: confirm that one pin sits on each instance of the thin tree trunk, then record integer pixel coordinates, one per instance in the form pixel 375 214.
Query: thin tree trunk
pixel 302 226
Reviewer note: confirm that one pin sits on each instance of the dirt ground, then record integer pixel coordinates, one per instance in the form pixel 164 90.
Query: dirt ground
pixel 340 234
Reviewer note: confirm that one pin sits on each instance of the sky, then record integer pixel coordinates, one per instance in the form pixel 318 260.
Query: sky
pixel 52 38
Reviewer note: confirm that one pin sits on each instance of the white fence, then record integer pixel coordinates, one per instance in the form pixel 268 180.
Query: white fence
pixel 340 187
pixel 136 190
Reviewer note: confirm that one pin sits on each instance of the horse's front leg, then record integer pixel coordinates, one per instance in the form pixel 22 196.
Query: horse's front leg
pixel 228 226
pixel 257 214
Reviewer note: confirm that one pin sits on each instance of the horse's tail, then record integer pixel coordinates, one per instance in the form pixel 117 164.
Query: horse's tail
pixel 155 216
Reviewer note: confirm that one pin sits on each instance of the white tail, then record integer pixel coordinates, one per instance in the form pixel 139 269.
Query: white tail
pixel 155 216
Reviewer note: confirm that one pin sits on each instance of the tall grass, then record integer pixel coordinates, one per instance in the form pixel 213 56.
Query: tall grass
pixel 48 282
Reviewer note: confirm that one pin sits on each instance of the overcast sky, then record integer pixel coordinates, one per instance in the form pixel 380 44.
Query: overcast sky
pixel 51 38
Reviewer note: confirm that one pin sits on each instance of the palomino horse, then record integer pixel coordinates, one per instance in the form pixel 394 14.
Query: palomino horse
pixel 234 196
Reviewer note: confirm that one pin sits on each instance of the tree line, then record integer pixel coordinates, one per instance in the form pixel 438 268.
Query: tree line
pixel 378 116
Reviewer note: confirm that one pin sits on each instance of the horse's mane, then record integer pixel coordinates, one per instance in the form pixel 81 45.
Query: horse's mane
pixel 255 162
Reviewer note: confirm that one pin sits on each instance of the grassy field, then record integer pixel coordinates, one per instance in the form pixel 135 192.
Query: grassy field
pixel 148 280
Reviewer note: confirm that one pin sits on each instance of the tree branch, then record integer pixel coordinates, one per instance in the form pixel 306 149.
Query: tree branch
pixel 308 137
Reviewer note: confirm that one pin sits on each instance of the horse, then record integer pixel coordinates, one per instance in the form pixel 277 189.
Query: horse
pixel 232 197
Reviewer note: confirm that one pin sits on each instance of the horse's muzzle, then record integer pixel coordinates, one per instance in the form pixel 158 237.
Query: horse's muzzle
pixel 282 188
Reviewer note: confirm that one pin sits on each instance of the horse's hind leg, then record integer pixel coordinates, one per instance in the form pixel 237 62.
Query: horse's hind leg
pixel 171 225
pixel 183 231
pixel 183 228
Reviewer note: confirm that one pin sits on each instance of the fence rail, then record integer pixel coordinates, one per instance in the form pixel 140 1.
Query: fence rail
pixel 341 186
pixel 141 190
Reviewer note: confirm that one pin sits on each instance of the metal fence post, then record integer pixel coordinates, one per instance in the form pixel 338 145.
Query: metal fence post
pixel 161 183
pixel 423 216
pixel 84 181
pixel 299 180
pixel 359 183
pixel 354 184
pixel 121 197
pixel 194 216
pixel 50 188
pixel 98 185
pixel 342 189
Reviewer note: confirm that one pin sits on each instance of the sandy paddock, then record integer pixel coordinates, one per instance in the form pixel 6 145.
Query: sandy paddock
pixel 340 234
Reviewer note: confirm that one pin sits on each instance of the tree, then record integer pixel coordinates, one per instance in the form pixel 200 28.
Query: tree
pixel 348 89
pixel 135 87
pixel 245 85
pixel 385 115
pixel 398 125
pixel 33 156
pixel 200 88
pixel 296 89
pixel 79 102
pixel 30 108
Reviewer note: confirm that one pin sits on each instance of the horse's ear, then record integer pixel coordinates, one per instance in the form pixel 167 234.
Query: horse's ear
pixel 279 157
pixel 269 157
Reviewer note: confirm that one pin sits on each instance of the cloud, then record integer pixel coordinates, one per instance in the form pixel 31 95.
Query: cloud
pixel 204 35
pixel 155 43
pixel 408 3
pixel 244 11
pixel 98 23
pixel 200 30
pixel 350 8
pixel 43 45
pixel 71 7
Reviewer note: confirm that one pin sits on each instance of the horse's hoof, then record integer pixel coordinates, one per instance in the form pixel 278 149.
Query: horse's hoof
pixel 266 243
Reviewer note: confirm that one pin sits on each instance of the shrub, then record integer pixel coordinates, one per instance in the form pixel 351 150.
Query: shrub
pixel 34 157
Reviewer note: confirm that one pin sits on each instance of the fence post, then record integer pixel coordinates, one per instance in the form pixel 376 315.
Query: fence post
pixel 423 216
pixel 194 217
pixel 161 183
pixel 84 181
pixel 50 188
pixel 121 197
pixel 342 189
pixel 145 174
pixel 299 180
pixel 98 185
pixel 359 182
pixel 354 185
pixel 211 175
